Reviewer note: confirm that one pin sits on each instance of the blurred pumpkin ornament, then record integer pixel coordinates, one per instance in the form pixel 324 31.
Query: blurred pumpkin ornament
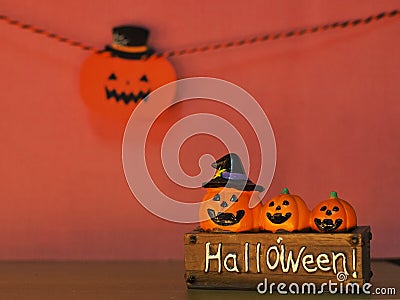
pixel 114 81
pixel 285 212
pixel 226 205
pixel 333 215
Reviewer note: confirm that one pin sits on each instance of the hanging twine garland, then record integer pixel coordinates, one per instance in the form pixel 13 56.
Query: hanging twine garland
pixel 212 47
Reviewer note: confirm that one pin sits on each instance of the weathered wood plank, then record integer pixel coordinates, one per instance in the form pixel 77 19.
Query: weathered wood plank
pixel 328 239
pixel 241 258
pixel 197 260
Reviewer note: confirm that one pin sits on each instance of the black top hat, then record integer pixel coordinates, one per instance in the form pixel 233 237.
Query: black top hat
pixel 129 42
pixel 230 173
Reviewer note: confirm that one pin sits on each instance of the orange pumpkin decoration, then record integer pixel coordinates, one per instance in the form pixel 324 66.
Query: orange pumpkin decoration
pixel 285 212
pixel 226 209
pixel 229 194
pixel 113 82
pixel 333 215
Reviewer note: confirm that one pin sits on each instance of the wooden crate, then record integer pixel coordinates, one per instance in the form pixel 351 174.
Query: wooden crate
pixel 243 260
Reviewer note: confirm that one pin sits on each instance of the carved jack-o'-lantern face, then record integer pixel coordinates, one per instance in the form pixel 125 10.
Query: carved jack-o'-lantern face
pixel 117 88
pixel 114 86
pixel 333 215
pixel 227 209
pixel 284 212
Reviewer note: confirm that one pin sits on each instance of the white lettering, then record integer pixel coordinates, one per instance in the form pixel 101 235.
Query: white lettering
pixel 210 256
pixel 308 259
pixel 281 288
pixel 336 256
pixel 323 259
pixel 234 268
pixel 246 257
pixel 264 285
pixel 354 263
pixel 290 261
pixel 258 257
pixel 276 263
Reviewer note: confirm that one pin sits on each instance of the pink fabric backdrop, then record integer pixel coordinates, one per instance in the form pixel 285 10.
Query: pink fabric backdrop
pixel 332 99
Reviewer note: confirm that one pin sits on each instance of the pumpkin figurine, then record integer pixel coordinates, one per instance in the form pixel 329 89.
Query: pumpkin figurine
pixel 285 212
pixel 225 207
pixel 113 82
pixel 333 215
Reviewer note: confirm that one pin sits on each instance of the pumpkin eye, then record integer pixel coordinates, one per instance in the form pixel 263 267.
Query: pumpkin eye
pixel 234 198
pixel 112 77
pixel 272 203
pixel 335 208
pixel 285 202
pixel 323 208
pixel 216 197
pixel 144 78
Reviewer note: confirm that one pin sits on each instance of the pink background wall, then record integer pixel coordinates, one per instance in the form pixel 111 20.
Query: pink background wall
pixel 332 99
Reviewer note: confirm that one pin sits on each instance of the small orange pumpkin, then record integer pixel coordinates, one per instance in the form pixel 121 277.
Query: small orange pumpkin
pixel 285 212
pixel 333 215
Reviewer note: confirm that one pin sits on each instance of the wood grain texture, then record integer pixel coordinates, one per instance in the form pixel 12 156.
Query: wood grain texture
pixel 253 265
pixel 137 280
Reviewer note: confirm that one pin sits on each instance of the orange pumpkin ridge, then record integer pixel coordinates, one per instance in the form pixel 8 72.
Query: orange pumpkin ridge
pixel 284 212
pixel 333 215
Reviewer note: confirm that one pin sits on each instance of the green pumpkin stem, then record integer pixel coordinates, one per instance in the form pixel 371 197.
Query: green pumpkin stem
pixel 285 191
pixel 333 195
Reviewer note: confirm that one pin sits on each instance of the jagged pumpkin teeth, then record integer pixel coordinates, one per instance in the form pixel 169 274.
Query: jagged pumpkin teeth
pixel 115 81
pixel 333 215
pixel 284 212
pixel 226 203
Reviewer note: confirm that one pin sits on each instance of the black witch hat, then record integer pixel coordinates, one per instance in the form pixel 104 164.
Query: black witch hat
pixel 129 42
pixel 230 173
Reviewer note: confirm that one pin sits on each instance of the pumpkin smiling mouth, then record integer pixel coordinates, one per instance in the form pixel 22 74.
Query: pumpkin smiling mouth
pixel 278 218
pixel 225 219
pixel 126 98
pixel 327 224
